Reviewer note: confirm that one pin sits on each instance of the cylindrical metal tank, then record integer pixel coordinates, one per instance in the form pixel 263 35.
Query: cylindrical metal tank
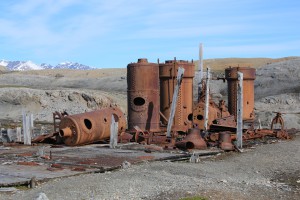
pixel 90 127
pixel 143 96
pixel 231 75
pixel 184 108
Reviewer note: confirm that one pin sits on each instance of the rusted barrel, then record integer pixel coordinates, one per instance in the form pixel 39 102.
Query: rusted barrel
pixel 231 75
pixel 143 96
pixel 184 109
pixel 90 127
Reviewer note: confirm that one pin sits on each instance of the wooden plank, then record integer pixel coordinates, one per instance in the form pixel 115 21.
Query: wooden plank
pixel 239 128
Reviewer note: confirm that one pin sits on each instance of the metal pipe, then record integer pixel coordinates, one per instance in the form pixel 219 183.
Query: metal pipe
pixel 200 71
pixel 65 132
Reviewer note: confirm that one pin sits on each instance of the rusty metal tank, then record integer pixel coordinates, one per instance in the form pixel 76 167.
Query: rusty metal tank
pixel 231 75
pixel 90 127
pixel 184 109
pixel 143 96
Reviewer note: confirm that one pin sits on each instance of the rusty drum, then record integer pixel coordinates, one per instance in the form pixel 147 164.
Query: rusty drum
pixel 248 90
pixel 184 108
pixel 90 127
pixel 143 96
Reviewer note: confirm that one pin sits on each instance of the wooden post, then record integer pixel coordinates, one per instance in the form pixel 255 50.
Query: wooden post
pixel 113 133
pixel 206 100
pixel 174 100
pixel 19 135
pixel 200 71
pixel 239 129
pixel 27 129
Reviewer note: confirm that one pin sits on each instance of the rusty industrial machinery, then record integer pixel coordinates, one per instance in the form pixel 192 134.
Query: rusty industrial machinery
pixel 184 108
pixel 90 127
pixel 214 112
pixel 143 96
pixel 231 75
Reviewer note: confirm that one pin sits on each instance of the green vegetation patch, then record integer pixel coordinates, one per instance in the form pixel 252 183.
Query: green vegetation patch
pixel 194 198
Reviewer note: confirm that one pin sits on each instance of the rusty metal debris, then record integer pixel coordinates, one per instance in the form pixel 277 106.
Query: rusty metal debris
pixel 90 127
pixel 193 140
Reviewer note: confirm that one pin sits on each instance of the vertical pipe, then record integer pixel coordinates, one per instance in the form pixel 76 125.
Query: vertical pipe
pixel 200 71
pixel 174 100
pixel 206 100
pixel 239 114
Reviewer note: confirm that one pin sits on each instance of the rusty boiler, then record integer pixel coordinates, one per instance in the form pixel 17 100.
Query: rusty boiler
pixel 214 112
pixel 184 108
pixel 143 96
pixel 90 127
pixel 231 75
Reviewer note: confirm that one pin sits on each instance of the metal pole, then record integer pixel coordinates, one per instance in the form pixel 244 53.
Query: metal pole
pixel 206 100
pixel 174 100
pixel 239 129
pixel 200 71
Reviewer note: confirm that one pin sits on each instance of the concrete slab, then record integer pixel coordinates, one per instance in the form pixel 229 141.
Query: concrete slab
pixel 18 164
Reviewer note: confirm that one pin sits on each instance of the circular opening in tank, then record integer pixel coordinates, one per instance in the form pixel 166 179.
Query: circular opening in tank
pixel 61 133
pixel 116 117
pixel 200 117
pixel 139 101
pixel 189 145
pixel 190 117
pixel 87 123
pixel 105 120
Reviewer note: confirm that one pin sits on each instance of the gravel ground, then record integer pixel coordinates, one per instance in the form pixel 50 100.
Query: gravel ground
pixel 269 171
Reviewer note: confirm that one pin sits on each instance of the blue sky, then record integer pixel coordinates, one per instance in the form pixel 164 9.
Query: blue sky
pixel 113 33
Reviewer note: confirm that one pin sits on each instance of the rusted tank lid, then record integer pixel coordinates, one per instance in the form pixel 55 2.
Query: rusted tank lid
pixel 178 61
pixel 142 60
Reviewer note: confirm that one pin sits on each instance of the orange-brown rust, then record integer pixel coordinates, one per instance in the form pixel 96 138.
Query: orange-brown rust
pixel 143 96
pixel 214 112
pixel 184 107
pixel 248 90
pixel 91 126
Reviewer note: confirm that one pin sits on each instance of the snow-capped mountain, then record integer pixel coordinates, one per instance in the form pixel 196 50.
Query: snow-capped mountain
pixel 28 65
pixel 20 65
pixel 67 65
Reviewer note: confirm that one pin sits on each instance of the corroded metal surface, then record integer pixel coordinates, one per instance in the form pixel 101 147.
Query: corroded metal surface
pixel 184 108
pixel 248 90
pixel 143 96
pixel 193 140
pixel 225 142
pixel 214 112
pixel 90 127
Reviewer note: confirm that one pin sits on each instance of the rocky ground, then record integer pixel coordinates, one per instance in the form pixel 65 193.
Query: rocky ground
pixel 269 171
